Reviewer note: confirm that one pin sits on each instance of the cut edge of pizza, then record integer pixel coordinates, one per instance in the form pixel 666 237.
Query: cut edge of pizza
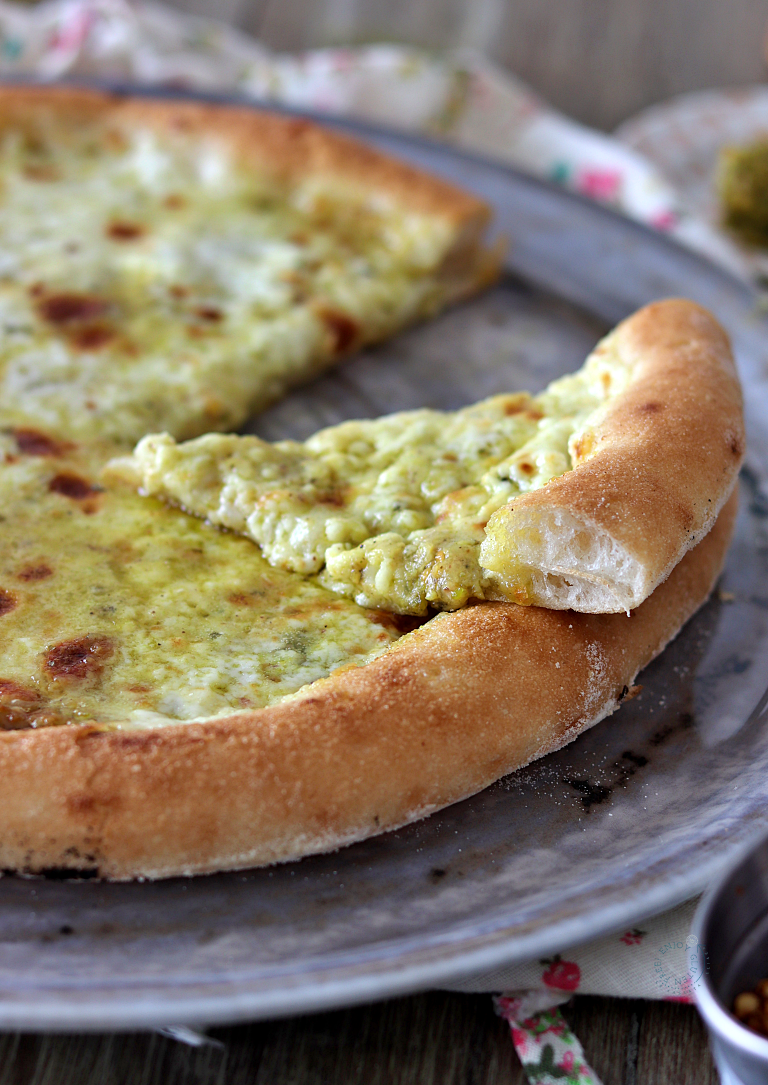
pixel 584 497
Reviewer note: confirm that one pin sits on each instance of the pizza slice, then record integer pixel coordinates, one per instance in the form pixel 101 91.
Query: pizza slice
pixel 172 704
pixel 174 265
pixel 584 497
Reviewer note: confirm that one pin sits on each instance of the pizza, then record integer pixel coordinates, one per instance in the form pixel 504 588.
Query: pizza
pixel 536 499
pixel 186 693
pixel 428 717
pixel 179 266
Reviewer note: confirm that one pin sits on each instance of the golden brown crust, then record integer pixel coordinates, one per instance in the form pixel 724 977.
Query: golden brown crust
pixel 660 466
pixel 363 751
pixel 287 148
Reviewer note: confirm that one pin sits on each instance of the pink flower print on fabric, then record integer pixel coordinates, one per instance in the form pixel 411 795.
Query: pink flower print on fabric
pixel 568 1062
pixel 600 184
pixel 633 937
pixel 72 32
pixel 664 221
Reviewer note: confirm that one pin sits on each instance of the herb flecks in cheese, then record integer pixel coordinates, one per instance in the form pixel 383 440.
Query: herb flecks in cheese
pixel 391 512
pixel 118 610
pixel 150 281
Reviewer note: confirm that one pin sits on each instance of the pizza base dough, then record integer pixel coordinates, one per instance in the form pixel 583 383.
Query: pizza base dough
pixel 450 708
pixel 650 476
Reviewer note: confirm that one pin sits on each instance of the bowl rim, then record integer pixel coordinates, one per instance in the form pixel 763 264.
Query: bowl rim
pixel 718 1018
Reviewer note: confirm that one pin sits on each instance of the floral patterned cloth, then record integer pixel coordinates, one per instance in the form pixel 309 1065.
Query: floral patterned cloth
pixel 466 100
pixel 659 959
pixel 549 1051
pixel 460 97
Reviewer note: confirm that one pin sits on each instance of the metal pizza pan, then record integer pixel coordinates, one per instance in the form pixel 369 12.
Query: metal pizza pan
pixel 636 815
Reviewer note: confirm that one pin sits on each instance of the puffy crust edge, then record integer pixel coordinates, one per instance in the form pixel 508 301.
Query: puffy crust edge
pixel 366 750
pixel 288 148
pixel 660 464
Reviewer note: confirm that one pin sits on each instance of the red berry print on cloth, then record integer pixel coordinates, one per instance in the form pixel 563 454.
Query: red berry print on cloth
pixel 562 975
pixel 633 937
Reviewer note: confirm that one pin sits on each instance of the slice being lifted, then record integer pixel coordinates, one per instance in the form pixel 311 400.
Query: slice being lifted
pixel 583 497
pixel 176 265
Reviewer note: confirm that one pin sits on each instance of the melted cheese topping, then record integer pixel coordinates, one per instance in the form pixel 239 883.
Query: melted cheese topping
pixel 152 282
pixel 391 512
pixel 116 609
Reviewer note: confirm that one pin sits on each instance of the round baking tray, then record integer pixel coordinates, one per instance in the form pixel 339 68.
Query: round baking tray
pixel 636 815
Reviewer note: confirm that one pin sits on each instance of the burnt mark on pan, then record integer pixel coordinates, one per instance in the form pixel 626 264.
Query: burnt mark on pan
pixel 684 722
pixel 593 794
pixel 590 794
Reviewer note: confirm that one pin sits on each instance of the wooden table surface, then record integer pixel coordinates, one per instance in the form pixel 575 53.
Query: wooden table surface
pixel 432 1039
pixel 599 62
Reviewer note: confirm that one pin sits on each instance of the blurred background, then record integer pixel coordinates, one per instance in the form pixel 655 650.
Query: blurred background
pixel 596 60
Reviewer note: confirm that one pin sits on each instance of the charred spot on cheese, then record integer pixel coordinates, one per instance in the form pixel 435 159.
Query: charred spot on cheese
pixel 73 486
pixel 64 309
pixel 77 659
pixel 32 442
pixel 35 572
pixel 125 231
pixel 7 601
pixel 241 599
pixel 41 172
pixel 344 331
pixel 92 336
pixel 18 706
pixel 209 313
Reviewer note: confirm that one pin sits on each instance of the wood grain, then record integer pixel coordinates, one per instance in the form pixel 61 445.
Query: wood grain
pixel 431 1039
